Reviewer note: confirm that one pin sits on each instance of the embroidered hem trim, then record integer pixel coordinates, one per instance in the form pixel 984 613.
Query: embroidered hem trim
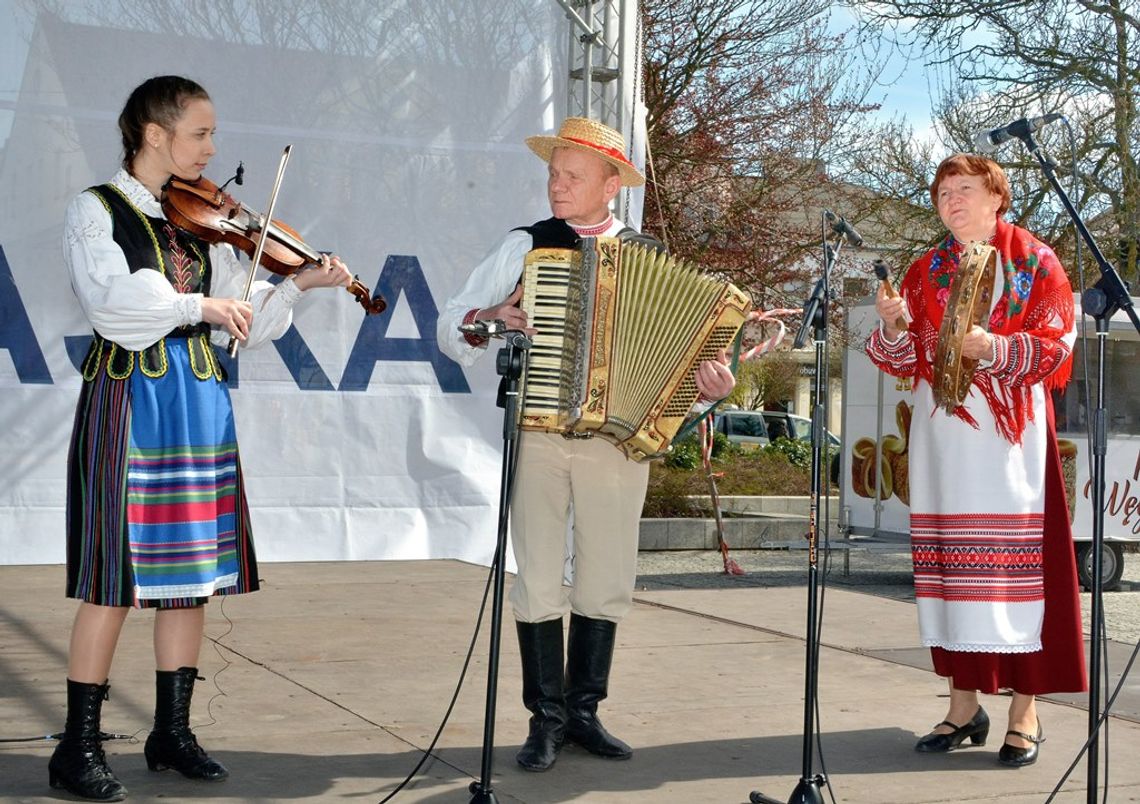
pixel 954 647
pixel 187 589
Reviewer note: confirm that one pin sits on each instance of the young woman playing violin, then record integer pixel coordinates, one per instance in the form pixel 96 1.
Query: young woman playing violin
pixel 156 509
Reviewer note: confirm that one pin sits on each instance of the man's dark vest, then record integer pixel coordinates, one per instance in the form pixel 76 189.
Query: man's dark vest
pixel 556 233
pixel 551 233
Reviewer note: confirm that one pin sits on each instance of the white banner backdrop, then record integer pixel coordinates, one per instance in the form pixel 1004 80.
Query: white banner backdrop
pixel 359 439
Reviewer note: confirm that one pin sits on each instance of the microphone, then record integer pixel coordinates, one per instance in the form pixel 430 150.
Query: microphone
pixel 484 329
pixel 497 329
pixel 881 272
pixel 987 142
pixel 236 178
pixel 839 225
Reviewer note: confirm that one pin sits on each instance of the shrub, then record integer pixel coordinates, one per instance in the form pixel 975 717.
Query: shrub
pixel 686 453
pixel 798 452
pixel 759 472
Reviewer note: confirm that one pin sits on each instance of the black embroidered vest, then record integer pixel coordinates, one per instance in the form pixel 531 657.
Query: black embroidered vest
pixel 183 260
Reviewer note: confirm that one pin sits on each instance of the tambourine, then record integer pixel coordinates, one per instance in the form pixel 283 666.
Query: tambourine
pixel 971 297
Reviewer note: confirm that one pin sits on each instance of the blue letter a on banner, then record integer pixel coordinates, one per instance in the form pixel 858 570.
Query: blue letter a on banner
pixel 16 334
pixel 401 275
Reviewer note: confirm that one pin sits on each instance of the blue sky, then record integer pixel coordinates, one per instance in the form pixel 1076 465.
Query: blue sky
pixel 906 85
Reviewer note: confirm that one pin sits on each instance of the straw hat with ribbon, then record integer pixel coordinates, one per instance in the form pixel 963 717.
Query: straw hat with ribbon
pixel 593 137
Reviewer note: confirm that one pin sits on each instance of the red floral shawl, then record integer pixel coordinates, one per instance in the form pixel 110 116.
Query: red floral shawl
pixel 1037 300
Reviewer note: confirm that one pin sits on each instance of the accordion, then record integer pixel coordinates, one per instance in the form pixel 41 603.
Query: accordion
pixel 621 327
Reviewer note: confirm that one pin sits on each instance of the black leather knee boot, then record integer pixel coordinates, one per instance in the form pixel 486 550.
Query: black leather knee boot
pixel 589 654
pixel 78 764
pixel 171 744
pixel 540 645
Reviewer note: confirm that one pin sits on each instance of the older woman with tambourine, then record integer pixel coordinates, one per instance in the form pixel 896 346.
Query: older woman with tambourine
pixel 984 326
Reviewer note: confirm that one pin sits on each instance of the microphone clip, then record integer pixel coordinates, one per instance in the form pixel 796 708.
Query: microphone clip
pixel 840 226
pixel 497 328
pixel 237 178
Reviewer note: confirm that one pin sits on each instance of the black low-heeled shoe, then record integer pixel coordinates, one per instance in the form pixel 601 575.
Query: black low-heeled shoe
pixel 1013 756
pixel 977 729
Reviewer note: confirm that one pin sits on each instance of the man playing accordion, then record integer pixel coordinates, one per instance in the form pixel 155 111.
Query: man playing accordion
pixel 586 481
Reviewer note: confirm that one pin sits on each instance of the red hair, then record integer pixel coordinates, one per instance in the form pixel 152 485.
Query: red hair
pixel 993 177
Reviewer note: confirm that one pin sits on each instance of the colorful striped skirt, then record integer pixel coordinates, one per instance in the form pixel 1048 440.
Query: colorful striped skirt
pixel 157 515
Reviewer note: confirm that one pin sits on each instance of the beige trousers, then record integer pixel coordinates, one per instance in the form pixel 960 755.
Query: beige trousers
pixel 591 483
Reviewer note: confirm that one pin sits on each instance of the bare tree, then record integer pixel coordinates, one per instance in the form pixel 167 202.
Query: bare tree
pixel 1006 59
pixel 747 102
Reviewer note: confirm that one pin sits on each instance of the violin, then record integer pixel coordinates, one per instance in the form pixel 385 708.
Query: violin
pixel 207 211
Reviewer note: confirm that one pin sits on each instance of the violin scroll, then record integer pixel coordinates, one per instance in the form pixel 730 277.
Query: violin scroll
pixel 373 305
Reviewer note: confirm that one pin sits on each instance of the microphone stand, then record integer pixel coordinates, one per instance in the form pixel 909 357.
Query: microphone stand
pixel 1102 300
pixel 511 365
pixel 808 791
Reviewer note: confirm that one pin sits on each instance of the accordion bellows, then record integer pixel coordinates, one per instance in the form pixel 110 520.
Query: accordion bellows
pixel 621 328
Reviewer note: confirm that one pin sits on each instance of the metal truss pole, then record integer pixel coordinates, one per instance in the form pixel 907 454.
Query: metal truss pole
pixel 595 59
pixel 600 44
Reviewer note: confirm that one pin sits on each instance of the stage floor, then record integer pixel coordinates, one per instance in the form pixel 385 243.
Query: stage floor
pixel 329 684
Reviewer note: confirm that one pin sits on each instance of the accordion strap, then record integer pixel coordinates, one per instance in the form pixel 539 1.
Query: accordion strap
pixel 632 236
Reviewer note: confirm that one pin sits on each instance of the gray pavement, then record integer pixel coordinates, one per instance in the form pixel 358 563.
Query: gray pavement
pixel 329 684
pixel 878 568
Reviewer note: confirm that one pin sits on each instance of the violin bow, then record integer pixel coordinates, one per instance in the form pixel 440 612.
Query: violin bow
pixel 266 222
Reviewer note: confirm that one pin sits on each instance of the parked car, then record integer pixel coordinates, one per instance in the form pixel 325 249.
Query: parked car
pixel 789 425
pixel 752 429
pixel 744 427
pixel 755 428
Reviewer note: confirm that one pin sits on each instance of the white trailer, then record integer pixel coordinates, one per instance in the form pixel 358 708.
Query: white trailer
pixel 873 487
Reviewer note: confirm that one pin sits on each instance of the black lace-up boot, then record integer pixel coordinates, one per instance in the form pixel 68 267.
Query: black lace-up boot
pixel 171 744
pixel 78 764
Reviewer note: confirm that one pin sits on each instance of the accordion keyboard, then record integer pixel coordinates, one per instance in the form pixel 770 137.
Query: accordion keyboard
pixel 552 298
